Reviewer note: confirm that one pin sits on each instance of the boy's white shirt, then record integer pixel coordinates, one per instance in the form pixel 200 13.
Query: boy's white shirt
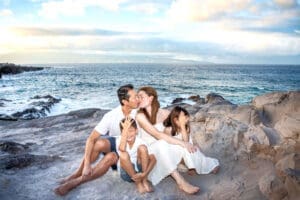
pixel 131 151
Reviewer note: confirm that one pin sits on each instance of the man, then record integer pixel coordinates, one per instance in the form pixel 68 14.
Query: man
pixel 102 140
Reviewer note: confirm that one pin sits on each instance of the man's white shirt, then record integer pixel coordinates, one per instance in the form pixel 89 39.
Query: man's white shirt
pixel 111 120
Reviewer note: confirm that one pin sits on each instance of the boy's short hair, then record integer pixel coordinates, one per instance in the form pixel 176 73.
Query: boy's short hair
pixel 123 92
pixel 133 123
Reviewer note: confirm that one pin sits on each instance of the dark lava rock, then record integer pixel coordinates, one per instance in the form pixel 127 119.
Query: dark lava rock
pixel 10 68
pixel 178 100
pixel 12 147
pixel 23 160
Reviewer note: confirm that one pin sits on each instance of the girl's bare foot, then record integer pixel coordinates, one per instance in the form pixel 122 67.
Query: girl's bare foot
pixel 147 186
pixel 215 170
pixel 192 172
pixel 188 188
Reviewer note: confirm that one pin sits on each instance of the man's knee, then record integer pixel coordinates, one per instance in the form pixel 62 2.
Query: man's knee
pixel 102 145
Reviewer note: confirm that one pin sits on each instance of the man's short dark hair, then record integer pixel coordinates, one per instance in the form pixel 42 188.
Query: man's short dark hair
pixel 123 92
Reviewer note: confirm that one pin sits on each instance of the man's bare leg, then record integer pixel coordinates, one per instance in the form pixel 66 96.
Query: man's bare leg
pixel 101 168
pixel 127 166
pixel 183 184
pixel 101 145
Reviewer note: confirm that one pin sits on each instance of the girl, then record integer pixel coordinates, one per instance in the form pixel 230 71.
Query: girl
pixel 177 125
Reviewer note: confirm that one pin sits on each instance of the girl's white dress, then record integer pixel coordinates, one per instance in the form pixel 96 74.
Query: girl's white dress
pixel 168 156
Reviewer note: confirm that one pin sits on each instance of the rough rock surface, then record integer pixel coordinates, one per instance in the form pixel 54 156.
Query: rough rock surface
pixel 257 145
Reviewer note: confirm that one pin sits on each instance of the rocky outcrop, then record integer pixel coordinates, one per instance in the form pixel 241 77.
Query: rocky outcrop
pixel 36 109
pixel 10 68
pixel 257 145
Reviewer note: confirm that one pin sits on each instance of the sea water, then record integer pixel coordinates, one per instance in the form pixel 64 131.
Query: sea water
pixel 94 85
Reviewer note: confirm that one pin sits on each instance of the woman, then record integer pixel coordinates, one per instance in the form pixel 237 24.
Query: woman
pixel 177 125
pixel 168 150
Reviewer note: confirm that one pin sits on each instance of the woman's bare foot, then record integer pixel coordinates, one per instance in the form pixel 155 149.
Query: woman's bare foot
pixel 141 188
pixel 147 186
pixel 192 172
pixel 188 188
pixel 215 170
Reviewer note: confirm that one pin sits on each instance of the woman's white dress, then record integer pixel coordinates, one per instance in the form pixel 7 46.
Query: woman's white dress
pixel 168 156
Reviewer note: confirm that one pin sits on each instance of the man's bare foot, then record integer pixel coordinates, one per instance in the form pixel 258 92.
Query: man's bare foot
pixel 215 170
pixel 141 188
pixel 188 188
pixel 59 191
pixel 64 180
pixel 192 172
pixel 147 186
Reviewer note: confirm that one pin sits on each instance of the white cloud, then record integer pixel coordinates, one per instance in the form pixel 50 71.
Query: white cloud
pixel 147 8
pixel 286 3
pixel 195 10
pixel 53 9
pixel 6 13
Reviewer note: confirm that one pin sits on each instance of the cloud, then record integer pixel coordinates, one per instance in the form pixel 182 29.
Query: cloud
pixel 52 9
pixel 54 31
pixel 6 13
pixel 194 10
pixel 286 3
pixel 146 8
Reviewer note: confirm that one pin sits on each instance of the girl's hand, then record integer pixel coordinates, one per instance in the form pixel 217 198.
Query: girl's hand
pixel 183 119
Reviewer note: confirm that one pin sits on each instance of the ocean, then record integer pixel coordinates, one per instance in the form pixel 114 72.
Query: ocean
pixel 94 85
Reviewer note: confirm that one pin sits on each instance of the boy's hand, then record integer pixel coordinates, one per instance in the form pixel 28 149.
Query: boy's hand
pixel 138 177
pixel 126 125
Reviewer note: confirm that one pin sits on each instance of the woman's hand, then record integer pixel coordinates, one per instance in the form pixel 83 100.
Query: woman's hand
pixel 190 147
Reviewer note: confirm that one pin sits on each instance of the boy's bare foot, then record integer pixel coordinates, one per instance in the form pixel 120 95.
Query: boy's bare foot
pixel 215 170
pixel 192 172
pixel 147 186
pixel 188 188
pixel 141 188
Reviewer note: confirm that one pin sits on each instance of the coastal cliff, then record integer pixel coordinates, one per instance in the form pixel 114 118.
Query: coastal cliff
pixel 257 145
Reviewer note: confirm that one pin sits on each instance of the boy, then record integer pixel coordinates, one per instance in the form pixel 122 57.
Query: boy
pixel 135 161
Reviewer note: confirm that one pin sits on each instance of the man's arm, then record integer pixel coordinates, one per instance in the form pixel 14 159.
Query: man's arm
pixel 89 145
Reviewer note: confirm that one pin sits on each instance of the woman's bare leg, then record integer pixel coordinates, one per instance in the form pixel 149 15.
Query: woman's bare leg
pixel 183 184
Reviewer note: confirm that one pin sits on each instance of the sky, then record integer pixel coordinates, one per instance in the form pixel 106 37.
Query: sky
pixel 150 31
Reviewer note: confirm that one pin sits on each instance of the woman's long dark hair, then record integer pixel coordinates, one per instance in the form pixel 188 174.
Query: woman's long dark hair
pixel 170 121
pixel 150 91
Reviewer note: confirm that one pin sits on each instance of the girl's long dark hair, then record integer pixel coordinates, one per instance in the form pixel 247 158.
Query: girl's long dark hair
pixel 170 121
